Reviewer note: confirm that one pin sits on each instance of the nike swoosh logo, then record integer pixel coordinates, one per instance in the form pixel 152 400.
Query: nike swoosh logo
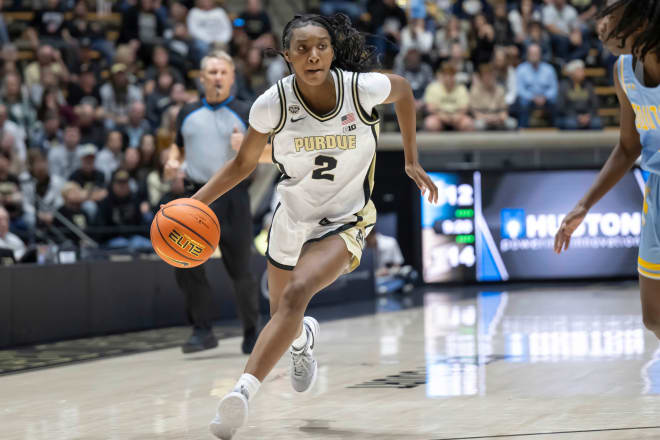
pixel 296 120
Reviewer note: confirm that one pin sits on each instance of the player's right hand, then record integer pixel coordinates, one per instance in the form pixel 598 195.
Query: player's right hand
pixel 568 226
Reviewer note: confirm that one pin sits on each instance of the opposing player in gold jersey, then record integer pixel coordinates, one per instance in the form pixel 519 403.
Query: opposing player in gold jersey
pixel 323 130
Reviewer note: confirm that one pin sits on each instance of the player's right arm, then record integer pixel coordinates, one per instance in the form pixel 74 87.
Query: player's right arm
pixel 621 160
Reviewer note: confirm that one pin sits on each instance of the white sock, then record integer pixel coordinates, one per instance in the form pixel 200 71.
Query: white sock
pixel 301 341
pixel 248 385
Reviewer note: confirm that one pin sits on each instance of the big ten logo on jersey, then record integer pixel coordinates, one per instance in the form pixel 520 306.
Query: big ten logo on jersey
pixel 186 243
pixel 348 122
pixel 314 143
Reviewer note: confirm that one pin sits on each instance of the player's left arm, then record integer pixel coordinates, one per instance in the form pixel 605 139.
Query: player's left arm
pixel 401 95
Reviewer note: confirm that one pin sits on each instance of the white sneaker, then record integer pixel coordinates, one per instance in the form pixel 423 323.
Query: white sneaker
pixel 232 414
pixel 303 365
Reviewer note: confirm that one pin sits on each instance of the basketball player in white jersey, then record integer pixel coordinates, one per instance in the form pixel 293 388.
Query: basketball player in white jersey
pixel 631 29
pixel 323 130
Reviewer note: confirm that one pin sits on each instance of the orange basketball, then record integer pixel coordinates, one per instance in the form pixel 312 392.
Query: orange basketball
pixel 185 233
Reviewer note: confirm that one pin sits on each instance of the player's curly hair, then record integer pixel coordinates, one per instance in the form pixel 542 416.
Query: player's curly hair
pixel 637 14
pixel 351 50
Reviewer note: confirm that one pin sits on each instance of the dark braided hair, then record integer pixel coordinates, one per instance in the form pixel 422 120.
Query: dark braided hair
pixel 351 51
pixel 637 14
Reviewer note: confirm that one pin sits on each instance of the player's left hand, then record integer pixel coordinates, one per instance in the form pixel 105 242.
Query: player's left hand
pixel 423 181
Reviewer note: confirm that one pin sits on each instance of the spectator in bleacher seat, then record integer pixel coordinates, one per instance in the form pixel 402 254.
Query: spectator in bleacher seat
pixel 181 49
pixel 47 25
pixel 415 36
pixel 48 133
pixel 178 12
pixel 504 35
pixel 17 100
pixel 505 75
pixel 276 67
pixel 9 56
pixel 90 179
pixel 131 164
pixel 587 10
pixel 578 46
pixel 251 80
pixel 72 210
pixel 256 20
pixel 63 159
pixel 4 34
pixel 418 73
pixel 387 21
pixel 159 99
pixel 559 18
pixel 81 32
pixel 160 62
pixel 48 60
pixel 117 96
pixel 488 102
pixel 109 158
pixel 142 27
pixel 447 103
pixel 522 17
pixel 11 197
pixel 127 213
pixel 577 103
pixel 41 190
pixel 91 128
pixel 84 87
pixel 137 124
pixel 167 130
pixel 537 35
pixel 148 157
pixel 468 9
pixel 157 185
pixel 9 240
pixel 17 134
pixel 483 36
pixel 537 86
pixel 208 24
pixel 52 100
pixel 464 67
pixel 451 34
pixel 7 145
pixel 351 8
pixel 126 54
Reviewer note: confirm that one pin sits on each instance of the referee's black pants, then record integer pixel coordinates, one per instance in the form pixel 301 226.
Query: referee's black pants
pixel 233 211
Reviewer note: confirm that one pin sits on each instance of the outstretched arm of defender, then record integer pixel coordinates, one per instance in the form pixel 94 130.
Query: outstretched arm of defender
pixel 236 169
pixel 404 104
pixel 621 159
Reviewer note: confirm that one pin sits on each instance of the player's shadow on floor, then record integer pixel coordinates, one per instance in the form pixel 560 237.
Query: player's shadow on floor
pixel 322 429
pixel 214 356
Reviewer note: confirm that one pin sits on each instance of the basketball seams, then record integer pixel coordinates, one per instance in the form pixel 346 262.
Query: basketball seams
pixel 214 221
pixel 168 244
pixel 187 227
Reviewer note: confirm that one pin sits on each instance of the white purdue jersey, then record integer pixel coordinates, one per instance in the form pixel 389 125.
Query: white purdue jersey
pixel 327 161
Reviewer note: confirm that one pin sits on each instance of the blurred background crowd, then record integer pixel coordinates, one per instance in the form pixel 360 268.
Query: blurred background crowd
pixel 91 90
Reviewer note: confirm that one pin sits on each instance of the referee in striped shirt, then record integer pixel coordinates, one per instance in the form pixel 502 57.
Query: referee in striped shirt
pixel 209 132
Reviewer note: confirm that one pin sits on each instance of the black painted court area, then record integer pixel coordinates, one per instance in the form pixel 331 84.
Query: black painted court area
pixel 27 358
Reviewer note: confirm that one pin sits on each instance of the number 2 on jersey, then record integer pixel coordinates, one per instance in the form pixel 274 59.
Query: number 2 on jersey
pixel 326 163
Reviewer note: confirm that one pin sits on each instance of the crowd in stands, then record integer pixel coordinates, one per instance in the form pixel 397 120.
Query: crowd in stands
pixel 87 115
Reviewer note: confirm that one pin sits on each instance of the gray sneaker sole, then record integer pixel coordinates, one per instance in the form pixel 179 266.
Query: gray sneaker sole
pixel 233 412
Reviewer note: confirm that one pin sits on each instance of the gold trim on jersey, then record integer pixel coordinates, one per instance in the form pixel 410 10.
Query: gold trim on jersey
pixel 369 120
pixel 338 105
pixel 280 92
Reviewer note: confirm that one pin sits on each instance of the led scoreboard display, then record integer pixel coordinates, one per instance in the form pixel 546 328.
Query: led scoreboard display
pixel 498 226
pixel 448 229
